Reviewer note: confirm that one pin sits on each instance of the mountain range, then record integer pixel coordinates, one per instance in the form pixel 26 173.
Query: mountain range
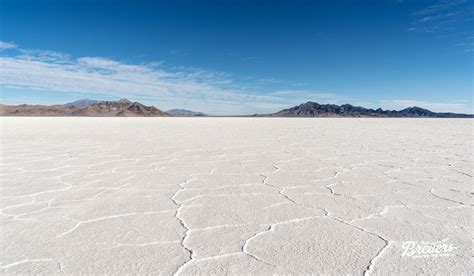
pixel 120 108
pixel 312 109
pixel 126 108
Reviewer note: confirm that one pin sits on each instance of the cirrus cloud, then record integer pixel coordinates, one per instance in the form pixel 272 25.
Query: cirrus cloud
pixel 6 45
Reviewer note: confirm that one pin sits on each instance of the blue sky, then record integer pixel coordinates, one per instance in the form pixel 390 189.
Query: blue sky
pixel 240 57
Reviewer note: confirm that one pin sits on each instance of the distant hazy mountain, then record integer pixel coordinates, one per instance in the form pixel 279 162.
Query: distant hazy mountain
pixel 83 103
pixel 312 109
pixel 184 113
pixel 123 108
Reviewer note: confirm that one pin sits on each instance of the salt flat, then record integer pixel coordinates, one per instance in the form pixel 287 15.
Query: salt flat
pixel 236 195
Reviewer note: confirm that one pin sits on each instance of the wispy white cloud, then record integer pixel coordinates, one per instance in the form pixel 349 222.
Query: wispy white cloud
pixel 309 94
pixel 6 45
pixel 440 7
pixel 447 18
pixel 43 55
pixel 167 87
pixel 454 106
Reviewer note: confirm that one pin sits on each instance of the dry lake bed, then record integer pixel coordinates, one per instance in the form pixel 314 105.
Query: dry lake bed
pixel 236 196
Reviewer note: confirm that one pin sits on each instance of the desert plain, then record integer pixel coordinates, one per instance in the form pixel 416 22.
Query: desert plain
pixel 262 196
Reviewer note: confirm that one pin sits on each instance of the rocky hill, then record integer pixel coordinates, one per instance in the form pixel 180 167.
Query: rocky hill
pixel 312 109
pixel 121 108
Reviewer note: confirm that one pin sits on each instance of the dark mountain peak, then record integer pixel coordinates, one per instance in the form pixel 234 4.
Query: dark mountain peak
pixel 135 106
pixel 415 109
pixel 310 103
pixel 312 109
pixel 125 101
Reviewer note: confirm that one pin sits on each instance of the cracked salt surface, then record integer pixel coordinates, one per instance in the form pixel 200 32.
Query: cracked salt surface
pixel 234 195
